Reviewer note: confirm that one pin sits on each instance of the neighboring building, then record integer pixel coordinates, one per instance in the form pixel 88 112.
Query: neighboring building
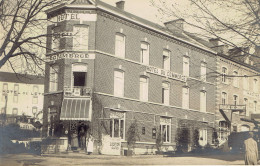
pixel 20 95
pixel 108 68
pixel 238 90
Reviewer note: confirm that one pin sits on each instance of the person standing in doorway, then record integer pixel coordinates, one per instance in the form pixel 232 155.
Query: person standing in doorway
pixel 251 150
pixel 90 144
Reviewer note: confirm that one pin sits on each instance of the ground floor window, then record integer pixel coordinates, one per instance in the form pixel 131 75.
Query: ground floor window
pixel 165 129
pixel 224 130
pixel 203 138
pixel 117 125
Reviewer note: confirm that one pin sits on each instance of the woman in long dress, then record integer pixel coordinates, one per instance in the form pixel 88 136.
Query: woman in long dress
pixel 90 144
pixel 251 150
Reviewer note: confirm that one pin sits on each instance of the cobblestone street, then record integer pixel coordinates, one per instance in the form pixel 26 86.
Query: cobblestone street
pixel 81 159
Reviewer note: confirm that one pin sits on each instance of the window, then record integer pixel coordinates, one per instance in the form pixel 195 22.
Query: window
pixel 247 106
pixel 165 124
pixel 224 98
pixel 119 83
pixel 223 130
pixel 203 101
pixel 5 89
pixel 53 82
pixel 166 60
pixel 186 66
pixel 224 75
pixel 15 111
pixel 165 93
pixel 255 106
pixel 144 88
pixel 34 110
pixel 35 94
pixel 203 72
pixel 55 42
pixel 203 137
pixel 35 100
pixel 117 124
pixel 16 88
pixel 185 98
pixel 245 82
pixel 144 57
pixel 235 79
pixel 80 38
pixel 79 74
pixel 235 98
pixel 120 45
pixel 255 85
pixel 15 99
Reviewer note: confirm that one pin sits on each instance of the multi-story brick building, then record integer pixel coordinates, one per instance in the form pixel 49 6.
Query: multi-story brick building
pixel 20 95
pixel 237 90
pixel 108 68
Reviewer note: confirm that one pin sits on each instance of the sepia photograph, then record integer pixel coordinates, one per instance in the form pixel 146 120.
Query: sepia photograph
pixel 129 82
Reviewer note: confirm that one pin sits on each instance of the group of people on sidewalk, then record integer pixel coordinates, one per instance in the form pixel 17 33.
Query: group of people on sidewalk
pixel 83 140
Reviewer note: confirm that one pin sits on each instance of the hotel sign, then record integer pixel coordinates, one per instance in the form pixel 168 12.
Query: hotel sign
pixel 232 107
pixel 166 73
pixel 23 93
pixel 70 55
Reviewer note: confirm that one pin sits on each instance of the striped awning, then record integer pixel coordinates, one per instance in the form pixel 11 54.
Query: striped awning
pixel 75 109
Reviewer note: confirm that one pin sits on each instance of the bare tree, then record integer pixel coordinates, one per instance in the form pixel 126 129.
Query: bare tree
pixel 235 22
pixel 23 32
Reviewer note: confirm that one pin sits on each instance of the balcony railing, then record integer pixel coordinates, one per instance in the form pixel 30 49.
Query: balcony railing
pixel 77 91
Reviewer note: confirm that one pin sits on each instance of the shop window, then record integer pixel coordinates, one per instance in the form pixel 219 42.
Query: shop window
pixel 185 97
pixel 203 138
pixel 165 129
pixel 203 101
pixel 186 66
pixel 80 37
pixel 224 130
pixel 224 98
pixel 165 93
pixel 144 57
pixel 143 88
pixel 203 71
pixel 117 128
pixel 224 74
pixel 235 79
pixel 53 84
pixel 119 83
pixel 120 45
pixel 166 60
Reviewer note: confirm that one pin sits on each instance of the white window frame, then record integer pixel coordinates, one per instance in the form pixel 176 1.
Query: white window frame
pixel 255 85
pixel 55 40
pixel 144 88
pixel 246 82
pixel 224 75
pixel 185 97
pixel 5 88
pixel 203 71
pixel 80 37
pixel 186 66
pixel 166 60
pixel 235 79
pixel 166 93
pixel 120 45
pixel 54 78
pixel 167 124
pixel 112 132
pixel 118 80
pixel 203 101
pixel 235 100
pixel 203 137
pixel 145 53
pixel 224 98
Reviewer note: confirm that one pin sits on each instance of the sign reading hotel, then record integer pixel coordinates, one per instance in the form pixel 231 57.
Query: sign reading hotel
pixel 73 17
pixel 70 55
pixel 24 93
pixel 166 73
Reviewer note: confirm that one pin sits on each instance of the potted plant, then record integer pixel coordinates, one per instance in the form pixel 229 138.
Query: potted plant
pixel 132 136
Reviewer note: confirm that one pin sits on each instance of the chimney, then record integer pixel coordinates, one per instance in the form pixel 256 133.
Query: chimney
pixel 175 25
pixel 221 49
pixel 120 5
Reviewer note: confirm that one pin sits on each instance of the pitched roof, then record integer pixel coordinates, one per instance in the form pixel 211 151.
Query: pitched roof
pixel 21 78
